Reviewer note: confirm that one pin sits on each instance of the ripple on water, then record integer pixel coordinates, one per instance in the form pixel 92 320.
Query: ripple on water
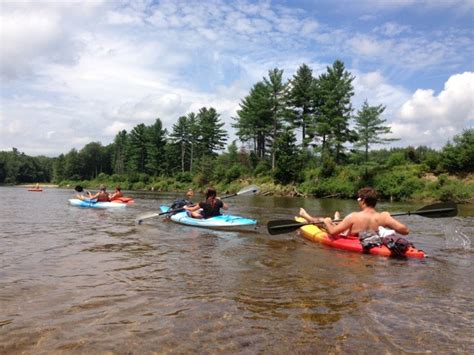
pixel 91 281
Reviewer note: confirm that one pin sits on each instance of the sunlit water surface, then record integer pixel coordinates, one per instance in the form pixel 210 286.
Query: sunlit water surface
pixel 88 280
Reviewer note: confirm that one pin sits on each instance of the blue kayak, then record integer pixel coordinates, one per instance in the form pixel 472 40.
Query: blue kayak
pixel 94 204
pixel 223 221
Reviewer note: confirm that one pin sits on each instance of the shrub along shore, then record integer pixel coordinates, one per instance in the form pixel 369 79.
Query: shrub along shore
pixel 404 185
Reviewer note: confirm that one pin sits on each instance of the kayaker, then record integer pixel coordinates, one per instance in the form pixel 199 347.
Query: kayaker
pixel 100 196
pixel 187 201
pixel 117 193
pixel 211 207
pixel 368 220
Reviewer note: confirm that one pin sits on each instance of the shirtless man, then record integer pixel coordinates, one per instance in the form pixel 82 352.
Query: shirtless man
pixel 368 219
pixel 101 196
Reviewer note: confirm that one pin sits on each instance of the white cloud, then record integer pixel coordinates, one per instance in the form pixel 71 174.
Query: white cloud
pixel 438 117
pixel 116 127
pixel 367 46
pixel 82 71
pixel 419 5
pixel 33 35
pixel 392 29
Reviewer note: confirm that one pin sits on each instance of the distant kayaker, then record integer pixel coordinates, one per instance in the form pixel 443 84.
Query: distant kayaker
pixel 367 220
pixel 117 193
pixel 211 207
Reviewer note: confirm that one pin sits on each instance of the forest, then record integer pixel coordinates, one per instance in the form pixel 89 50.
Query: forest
pixel 299 137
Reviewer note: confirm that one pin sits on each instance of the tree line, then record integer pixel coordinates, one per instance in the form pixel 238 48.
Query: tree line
pixel 302 132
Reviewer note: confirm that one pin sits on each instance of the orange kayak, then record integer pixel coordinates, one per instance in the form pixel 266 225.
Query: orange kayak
pixel 315 234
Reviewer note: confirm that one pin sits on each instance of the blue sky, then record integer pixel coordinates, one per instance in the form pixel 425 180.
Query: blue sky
pixel 79 71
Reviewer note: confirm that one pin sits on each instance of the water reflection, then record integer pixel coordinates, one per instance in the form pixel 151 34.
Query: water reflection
pixel 85 280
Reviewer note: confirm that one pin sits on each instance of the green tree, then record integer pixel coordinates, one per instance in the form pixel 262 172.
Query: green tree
pixel 181 135
pixel 335 90
pixel 277 91
pixel 458 157
pixel 155 142
pixel 212 137
pixel 58 168
pixel 289 160
pixel 91 157
pixel 119 153
pixel 137 149
pixel 72 165
pixel 370 129
pixel 254 119
pixel 301 101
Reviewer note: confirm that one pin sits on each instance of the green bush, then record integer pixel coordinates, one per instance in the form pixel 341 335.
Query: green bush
pixel 102 177
pixel 398 184
pixel 233 173
pixel 396 159
pixel 263 168
pixel 184 177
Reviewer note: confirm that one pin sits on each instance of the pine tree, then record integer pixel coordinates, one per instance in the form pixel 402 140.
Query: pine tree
pixel 212 137
pixel 254 119
pixel 155 137
pixel 137 149
pixel 334 109
pixel 370 129
pixel 301 102
pixel 276 89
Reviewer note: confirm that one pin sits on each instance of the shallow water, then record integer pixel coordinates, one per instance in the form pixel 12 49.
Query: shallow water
pixel 87 280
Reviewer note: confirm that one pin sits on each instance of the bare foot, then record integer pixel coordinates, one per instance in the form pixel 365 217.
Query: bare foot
pixel 305 214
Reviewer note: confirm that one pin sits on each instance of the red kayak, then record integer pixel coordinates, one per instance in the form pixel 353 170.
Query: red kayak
pixel 35 190
pixel 314 233
pixel 127 200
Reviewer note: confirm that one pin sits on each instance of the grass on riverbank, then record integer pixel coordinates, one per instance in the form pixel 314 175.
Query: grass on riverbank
pixel 402 185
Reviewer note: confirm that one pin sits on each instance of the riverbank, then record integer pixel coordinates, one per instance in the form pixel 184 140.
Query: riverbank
pixel 426 188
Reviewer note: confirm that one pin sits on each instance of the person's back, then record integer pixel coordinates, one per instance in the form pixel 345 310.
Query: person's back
pixel 367 220
pixel 370 220
pixel 102 196
pixel 211 208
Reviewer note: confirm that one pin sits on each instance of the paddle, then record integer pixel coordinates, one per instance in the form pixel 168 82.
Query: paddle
pixel 252 189
pixel 436 210
pixel 79 188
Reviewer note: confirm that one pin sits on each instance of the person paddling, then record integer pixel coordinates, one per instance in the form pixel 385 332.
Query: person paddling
pixel 117 193
pixel 368 220
pixel 211 207
pixel 100 196
pixel 187 201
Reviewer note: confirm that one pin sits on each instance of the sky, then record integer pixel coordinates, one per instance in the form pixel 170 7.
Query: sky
pixel 75 72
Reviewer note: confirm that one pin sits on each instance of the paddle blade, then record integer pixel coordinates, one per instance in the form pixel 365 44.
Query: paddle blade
pixel 252 189
pixel 438 210
pixel 280 226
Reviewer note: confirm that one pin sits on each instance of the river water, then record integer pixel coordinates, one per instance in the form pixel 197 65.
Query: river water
pixel 93 281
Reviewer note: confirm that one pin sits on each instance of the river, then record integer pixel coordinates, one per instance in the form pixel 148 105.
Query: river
pixel 93 281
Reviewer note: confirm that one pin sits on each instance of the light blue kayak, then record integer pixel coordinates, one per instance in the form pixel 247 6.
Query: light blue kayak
pixel 223 221
pixel 94 204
